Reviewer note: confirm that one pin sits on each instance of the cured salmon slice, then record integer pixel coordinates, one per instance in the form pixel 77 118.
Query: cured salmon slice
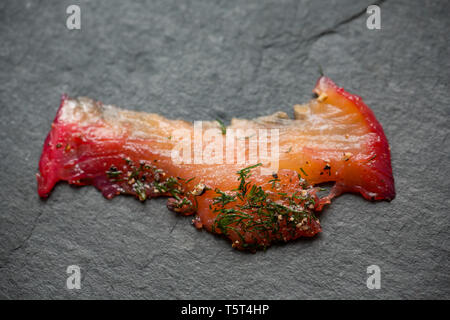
pixel 334 138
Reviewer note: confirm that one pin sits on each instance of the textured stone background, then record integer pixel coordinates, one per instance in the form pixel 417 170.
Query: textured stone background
pixel 207 59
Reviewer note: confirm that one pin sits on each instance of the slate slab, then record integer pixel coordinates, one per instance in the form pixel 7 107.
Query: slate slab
pixel 199 60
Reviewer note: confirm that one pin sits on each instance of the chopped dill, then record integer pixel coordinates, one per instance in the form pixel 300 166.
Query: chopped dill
pixel 244 174
pixel 189 180
pixel 301 169
pixel 145 179
pixel 223 128
pixel 250 212
pixel 139 188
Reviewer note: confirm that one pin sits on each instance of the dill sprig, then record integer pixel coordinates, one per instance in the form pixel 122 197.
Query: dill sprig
pixel 223 128
pixel 243 175
pixel 224 198
pixel 301 169
pixel 145 179
pixel 251 213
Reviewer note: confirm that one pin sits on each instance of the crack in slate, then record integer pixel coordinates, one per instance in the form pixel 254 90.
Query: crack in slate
pixel 173 227
pixel 332 30
pixel 23 243
pixel 310 40
pixel 36 222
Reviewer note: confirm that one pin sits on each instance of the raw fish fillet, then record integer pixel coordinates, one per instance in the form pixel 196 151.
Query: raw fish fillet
pixel 333 138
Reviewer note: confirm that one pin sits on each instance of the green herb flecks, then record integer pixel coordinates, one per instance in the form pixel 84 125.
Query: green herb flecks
pixel 243 175
pixel 139 188
pixel 256 217
pixel 275 182
pixel 303 171
pixel 223 128
pixel 145 179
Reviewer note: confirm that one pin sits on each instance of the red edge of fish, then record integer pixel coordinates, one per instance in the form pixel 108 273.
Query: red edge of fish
pixel 381 162
pixel 48 173
pixel 380 173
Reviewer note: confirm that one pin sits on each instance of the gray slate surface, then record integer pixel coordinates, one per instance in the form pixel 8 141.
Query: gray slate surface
pixel 200 60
